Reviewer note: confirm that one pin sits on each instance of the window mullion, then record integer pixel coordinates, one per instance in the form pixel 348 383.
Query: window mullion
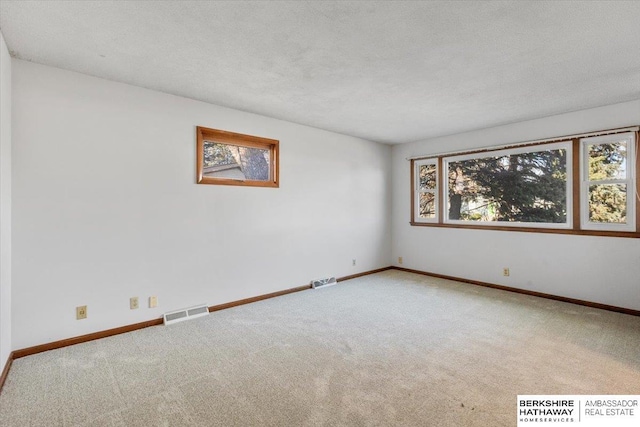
pixel 577 183
pixel 635 200
pixel 441 189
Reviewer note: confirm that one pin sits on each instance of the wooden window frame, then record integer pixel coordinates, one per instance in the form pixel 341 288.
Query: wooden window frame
pixel 576 196
pixel 231 138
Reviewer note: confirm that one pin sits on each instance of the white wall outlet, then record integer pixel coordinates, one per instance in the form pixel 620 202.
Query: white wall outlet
pixel 133 303
pixel 353 262
pixel 399 260
pixel 505 271
pixel 153 302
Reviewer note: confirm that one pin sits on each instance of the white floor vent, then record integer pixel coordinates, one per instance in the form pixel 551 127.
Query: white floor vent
pixel 323 283
pixel 185 314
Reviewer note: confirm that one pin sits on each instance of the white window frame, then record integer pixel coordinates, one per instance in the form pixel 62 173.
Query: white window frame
pixel 435 191
pixel 630 182
pixel 566 145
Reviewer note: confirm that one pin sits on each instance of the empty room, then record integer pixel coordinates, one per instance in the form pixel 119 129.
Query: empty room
pixel 319 213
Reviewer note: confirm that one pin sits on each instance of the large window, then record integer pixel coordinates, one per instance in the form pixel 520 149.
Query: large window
pixel 526 186
pixel 577 185
pixel 228 158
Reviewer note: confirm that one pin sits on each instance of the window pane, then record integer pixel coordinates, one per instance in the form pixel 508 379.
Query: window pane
pixel 427 205
pixel 524 187
pixel 235 162
pixel 427 177
pixel 608 203
pixel 607 161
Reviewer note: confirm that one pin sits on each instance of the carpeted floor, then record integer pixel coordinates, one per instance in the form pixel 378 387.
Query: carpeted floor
pixel 390 349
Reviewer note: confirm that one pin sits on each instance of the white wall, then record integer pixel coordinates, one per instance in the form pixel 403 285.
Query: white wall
pixel 597 269
pixel 106 206
pixel 5 203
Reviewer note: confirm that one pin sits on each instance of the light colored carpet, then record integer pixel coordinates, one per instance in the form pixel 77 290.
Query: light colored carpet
pixel 388 349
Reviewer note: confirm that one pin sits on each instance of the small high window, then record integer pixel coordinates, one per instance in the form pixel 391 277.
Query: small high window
pixel 227 158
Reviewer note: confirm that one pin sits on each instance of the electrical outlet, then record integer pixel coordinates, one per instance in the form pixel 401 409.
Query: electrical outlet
pixel 81 312
pixel 505 271
pixel 153 302
pixel 399 260
pixel 133 303
pixel 353 262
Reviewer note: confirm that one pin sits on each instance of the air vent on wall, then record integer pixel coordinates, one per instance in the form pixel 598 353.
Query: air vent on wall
pixel 185 314
pixel 322 283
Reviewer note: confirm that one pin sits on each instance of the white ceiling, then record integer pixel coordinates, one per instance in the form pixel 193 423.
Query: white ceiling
pixel 391 72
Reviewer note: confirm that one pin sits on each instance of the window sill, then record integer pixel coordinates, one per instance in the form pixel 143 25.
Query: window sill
pixel 245 183
pixel 601 233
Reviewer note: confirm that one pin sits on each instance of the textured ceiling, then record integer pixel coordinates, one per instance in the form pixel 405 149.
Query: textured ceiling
pixel 392 72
